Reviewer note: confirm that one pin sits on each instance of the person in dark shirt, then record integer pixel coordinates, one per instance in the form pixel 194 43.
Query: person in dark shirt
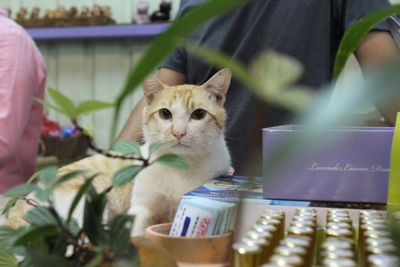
pixel 308 30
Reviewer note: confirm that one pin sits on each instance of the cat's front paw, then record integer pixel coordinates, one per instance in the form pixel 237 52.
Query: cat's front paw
pixel 142 220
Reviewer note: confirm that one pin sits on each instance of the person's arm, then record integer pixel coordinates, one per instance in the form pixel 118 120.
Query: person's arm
pixel 377 48
pixel 16 95
pixel 133 127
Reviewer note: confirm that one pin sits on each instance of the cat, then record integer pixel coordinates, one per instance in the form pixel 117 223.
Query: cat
pixel 190 119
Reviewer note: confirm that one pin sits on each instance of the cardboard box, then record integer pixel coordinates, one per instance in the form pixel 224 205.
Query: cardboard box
pixel 345 164
pixel 251 204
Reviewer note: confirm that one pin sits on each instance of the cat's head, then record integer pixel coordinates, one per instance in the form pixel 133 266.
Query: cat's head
pixel 188 117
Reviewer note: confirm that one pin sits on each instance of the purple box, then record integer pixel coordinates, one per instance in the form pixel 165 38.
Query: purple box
pixel 344 164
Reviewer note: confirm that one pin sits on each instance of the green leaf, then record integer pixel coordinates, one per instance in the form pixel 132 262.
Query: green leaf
pixel 68 176
pixel 8 236
pixel 269 67
pixel 166 42
pixel 174 161
pixel 222 60
pixel 20 190
pixel 40 216
pixel 35 233
pixel 120 233
pixel 96 261
pixel 6 232
pixel 43 194
pixel 63 102
pixel 126 147
pixel 129 257
pixel 79 195
pixel 89 106
pixel 93 217
pixel 125 175
pixel 35 258
pixel 48 175
pixel 7 260
pixel 50 106
pixel 357 32
pixel 73 226
pixel 266 79
pixel 10 203
pixel 154 147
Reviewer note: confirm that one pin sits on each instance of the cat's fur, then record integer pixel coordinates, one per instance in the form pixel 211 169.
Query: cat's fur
pixel 158 188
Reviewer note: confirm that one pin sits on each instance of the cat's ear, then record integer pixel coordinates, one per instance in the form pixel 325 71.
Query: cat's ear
pixel 218 85
pixel 151 86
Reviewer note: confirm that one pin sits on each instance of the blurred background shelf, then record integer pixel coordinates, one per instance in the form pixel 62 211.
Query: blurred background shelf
pixel 98 32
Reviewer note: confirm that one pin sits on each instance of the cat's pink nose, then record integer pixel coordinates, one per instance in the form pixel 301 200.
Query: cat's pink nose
pixel 179 134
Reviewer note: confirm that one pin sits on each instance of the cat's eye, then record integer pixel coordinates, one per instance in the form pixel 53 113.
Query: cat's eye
pixel 198 114
pixel 165 114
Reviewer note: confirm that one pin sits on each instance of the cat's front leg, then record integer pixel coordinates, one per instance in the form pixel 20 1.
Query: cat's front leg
pixel 143 219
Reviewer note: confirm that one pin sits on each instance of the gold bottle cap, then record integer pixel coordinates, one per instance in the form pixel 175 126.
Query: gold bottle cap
pixel 334 243
pixel 303 222
pixel 338 211
pixel 338 219
pixel 265 228
pixel 246 248
pixel 339 225
pixel 378 241
pixel 269 221
pixel 339 263
pixel 373 219
pixel 255 234
pixel 376 233
pixel 271 216
pixel 369 212
pixel 293 250
pixel 383 260
pixel 257 241
pixel 283 260
pixel 306 210
pixel 338 254
pixel 339 232
pixel 373 226
pixel 296 241
pixel 301 230
pixel 382 249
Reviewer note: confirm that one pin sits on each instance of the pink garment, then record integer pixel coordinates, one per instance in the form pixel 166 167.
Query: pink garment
pixel 22 77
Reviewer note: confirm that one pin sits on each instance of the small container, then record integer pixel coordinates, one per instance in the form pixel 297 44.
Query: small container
pixel 383 260
pixel 283 260
pixel 381 249
pixel 193 250
pixel 303 223
pixel 339 225
pixel 275 222
pixel 255 235
pixel 334 243
pixel 376 234
pixel 341 232
pixel 295 240
pixel 265 245
pixel 339 254
pixel 378 241
pixel 287 251
pixel 339 263
pixel 246 255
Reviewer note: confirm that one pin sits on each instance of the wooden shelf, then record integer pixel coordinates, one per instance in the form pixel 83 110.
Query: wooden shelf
pixel 98 32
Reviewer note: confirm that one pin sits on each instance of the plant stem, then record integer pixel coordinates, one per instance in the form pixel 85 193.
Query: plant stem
pixel 104 152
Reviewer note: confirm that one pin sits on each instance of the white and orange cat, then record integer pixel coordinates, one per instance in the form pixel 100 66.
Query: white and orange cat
pixel 190 120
